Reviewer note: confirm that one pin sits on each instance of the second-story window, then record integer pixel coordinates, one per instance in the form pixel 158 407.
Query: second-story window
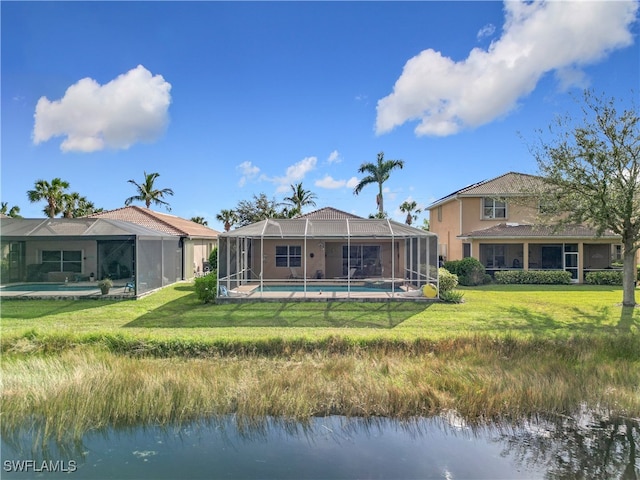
pixel 493 208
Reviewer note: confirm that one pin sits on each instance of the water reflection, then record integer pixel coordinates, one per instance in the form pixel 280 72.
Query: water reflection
pixel 585 445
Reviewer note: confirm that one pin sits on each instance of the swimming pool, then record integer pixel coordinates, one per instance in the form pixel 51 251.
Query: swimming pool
pixel 46 287
pixel 327 288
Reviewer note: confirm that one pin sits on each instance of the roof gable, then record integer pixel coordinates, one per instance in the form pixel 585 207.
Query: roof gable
pixel 508 184
pixel 328 213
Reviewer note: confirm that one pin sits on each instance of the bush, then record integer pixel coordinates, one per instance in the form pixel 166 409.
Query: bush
pixel 447 280
pixel 206 287
pixel 612 277
pixel 469 270
pixel 540 277
pixel 213 258
pixel 452 296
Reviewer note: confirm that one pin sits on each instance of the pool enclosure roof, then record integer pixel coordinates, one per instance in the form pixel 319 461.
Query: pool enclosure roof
pixel 323 228
pixel 73 227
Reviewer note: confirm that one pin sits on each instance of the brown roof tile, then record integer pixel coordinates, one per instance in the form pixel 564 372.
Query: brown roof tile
pixel 328 213
pixel 507 230
pixel 158 221
pixel 511 183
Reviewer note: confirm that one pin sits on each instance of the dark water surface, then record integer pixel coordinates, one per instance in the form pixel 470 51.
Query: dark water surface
pixel 338 448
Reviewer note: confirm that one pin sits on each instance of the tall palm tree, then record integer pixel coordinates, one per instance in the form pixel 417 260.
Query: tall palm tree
pixel 300 198
pixel 411 209
pixel 377 173
pixel 52 193
pixel 147 192
pixel 13 212
pixel 228 218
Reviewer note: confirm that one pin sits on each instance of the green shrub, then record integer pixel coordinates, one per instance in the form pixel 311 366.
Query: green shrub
pixel 213 259
pixel 206 287
pixel 540 277
pixel 469 270
pixel 611 277
pixel 451 296
pixel 447 280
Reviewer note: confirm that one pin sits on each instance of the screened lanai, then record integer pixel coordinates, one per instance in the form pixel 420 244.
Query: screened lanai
pixel 84 250
pixel 350 255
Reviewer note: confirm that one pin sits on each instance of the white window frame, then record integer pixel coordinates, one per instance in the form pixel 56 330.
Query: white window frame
pixel 493 208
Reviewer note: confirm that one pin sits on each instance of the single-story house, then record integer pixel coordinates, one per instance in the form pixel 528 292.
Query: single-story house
pixel 85 249
pixel 197 240
pixel 327 247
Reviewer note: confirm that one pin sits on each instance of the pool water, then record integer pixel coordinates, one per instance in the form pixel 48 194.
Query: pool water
pixel 46 287
pixel 326 288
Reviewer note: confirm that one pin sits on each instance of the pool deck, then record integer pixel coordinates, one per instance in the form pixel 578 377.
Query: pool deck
pixel 252 293
pixel 92 291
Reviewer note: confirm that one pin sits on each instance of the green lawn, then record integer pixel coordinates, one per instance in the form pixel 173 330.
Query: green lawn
pixel 506 351
pixel 175 312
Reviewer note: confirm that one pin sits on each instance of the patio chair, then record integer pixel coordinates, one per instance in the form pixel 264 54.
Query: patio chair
pixel 294 274
pixel 352 271
pixel 225 292
pixel 129 287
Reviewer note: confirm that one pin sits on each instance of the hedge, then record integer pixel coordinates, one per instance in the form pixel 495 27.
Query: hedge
pixel 533 277
pixel 469 270
pixel 611 277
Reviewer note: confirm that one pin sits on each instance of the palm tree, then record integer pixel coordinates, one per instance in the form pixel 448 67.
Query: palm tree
pixel 300 198
pixel 377 173
pixel 228 217
pixel 411 209
pixel 13 212
pixel 200 220
pixel 51 192
pixel 70 203
pixel 147 193
pixel 75 205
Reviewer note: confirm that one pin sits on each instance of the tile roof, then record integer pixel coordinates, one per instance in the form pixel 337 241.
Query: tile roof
pixel 158 221
pixel 328 213
pixel 508 230
pixel 511 183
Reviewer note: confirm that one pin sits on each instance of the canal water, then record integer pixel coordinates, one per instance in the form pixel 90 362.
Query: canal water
pixel 337 448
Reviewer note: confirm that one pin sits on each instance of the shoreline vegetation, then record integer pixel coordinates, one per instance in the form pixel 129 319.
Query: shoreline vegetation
pixel 69 368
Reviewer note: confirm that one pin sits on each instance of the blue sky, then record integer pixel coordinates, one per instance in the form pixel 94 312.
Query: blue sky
pixel 230 99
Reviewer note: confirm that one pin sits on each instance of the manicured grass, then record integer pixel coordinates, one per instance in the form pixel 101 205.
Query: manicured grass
pixel 70 366
pixel 176 313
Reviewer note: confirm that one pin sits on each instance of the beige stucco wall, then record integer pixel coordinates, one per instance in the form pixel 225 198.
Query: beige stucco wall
pixel 327 257
pixel 89 250
pixel 196 254
pixel 465 215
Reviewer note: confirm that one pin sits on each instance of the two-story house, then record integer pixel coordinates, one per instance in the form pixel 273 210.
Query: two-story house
pixel 496 222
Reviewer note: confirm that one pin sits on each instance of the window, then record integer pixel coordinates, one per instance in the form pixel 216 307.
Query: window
pixel 62 260
pixel 492 208
pixel 440 213
pixel 288 256
pixel 617 252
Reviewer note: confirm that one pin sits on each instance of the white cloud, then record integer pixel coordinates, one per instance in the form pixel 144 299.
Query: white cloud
pixel 295 173
pixel 334 157
pixel 131 108
pixel 488 30
pixel 538 37
pixel 248 172
pixel 332 184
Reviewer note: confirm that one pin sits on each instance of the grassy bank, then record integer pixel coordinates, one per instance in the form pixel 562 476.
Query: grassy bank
pixel 506 351
pixel 479 377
